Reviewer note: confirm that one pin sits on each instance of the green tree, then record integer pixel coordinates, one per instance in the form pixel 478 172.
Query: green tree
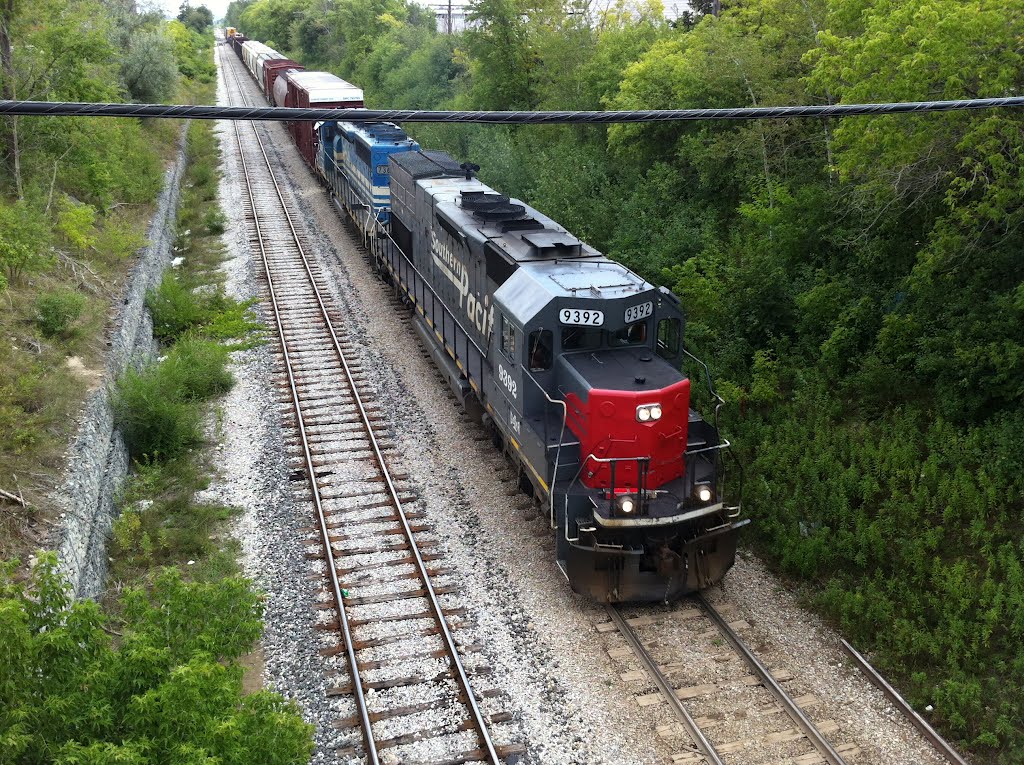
pixel 149 69
pixel 169 692
pixel 961 295
pixel 197 19
pixel 502 56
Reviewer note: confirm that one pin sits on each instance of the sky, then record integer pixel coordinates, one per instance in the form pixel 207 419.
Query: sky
pixel 171 7
pixel 220 7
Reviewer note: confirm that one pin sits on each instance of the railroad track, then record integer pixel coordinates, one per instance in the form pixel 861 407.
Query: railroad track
pixel 403 656
pixel 717 702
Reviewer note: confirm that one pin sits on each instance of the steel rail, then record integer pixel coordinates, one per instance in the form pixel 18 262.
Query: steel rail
pixel 936 740
pixel 357 683
pixel 449 640
pixel 796 714
pixel 704 746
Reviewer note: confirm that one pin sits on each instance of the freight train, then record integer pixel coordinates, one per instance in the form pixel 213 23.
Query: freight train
pixel 569 358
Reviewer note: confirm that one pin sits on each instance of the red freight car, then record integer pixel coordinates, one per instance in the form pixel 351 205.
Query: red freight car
pixel 271 70
pixel 318 90
pixel 237 41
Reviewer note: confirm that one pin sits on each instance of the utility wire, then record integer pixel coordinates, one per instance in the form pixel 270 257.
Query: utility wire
pixel 70 109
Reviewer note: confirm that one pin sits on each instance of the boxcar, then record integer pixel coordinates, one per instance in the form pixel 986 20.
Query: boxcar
pixel 251 53
pixel 320 90
pixel 272 69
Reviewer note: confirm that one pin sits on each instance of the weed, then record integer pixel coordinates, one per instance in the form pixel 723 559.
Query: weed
pixel 156 407
pixel 197 369
pixel 174 307
pixel 118 238
pixel 177 309
pixel 203 175
pixel 168 527
pixel 57 310
pixel 235 320
pixel 153 418
pixel 215 222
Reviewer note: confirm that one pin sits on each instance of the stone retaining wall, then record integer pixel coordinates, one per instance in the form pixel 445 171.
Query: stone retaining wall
pixel 97 459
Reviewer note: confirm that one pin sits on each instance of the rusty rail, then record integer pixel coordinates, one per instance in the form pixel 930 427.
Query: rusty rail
pixel 459 670
pixel 933 737
pixel 825 749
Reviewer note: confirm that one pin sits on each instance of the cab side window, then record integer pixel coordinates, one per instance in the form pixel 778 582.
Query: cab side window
pixel 668 338
pixel 539 350
pixel 508 338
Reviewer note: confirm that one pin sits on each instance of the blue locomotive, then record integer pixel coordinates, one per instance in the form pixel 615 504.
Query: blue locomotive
pixel 353 162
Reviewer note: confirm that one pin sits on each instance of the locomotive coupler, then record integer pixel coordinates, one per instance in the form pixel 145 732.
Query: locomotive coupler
pixel 669 561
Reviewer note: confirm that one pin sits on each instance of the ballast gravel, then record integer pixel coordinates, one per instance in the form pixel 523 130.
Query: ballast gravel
pixel 536 637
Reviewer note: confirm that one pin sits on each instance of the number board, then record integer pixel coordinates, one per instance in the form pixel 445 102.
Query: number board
pixel 580 317
pixel 382 170
pixel 637 312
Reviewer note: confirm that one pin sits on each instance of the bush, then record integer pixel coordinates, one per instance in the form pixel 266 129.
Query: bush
pixel 56 311
pixel 204 176
pixel 24 239
pixel 157 408
pixel 175 308
pixel 149 69
pixel 77 223
pixel 170 691
pixel 197 369
pixel 152 416
pixel 215 222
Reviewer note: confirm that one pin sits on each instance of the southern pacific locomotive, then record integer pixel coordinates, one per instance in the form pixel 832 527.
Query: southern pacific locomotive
pixel 571 359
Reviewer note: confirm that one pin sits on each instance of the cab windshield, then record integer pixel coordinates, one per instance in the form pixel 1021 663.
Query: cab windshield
pixel 591 338
pixel 632 334
pixel 581 338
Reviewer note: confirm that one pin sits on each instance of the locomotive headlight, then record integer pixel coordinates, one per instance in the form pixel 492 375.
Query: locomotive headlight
pixel 648 412
pixel 704 492
pixel 626 504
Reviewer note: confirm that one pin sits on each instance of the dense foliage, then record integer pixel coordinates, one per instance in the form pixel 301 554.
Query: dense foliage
pixel 75 198
pixel 856 284
pixel 162 684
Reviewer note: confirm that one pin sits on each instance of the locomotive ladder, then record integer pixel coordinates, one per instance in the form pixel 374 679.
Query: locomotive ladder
pixel 273 275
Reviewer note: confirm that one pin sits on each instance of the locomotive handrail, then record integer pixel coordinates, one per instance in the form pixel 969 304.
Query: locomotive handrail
pixel 724 444
pixel 726 447
pixel 711 387
pixel 583 462
pixel 558 450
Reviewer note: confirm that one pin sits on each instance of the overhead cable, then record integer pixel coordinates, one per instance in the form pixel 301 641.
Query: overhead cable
pixel 169 111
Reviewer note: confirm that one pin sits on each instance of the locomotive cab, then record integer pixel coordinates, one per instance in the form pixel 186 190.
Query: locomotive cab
pixel 589 383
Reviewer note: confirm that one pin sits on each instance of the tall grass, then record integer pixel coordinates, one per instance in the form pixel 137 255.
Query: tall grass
pixel 178 308
pixel 157 407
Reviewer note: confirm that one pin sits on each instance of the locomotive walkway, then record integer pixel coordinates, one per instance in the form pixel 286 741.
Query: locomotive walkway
pixel 366 528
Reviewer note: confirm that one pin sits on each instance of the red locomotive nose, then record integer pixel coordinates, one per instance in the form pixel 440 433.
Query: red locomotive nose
pixel 623 426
